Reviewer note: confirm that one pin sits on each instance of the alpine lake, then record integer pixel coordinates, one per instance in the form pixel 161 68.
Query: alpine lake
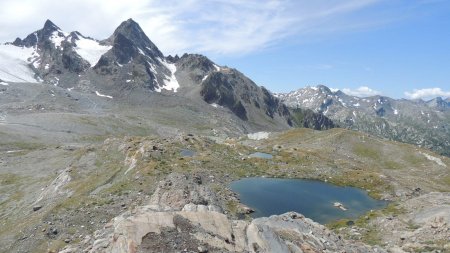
pixel 317 200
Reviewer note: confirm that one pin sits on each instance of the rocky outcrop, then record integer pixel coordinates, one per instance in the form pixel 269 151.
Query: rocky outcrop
pixel 170 224
pixel 179 191
pixel 310 119
pixel 426 225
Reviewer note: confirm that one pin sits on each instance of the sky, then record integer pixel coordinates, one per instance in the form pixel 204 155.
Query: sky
pixel 396 48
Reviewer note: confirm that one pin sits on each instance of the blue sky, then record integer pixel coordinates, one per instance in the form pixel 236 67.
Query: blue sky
pixel 412 52
pixel 397 48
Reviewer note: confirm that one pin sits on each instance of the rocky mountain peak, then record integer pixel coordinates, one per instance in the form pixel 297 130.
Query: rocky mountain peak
pixel 49 32
pixel 324 89
pixel 50 27
pixel 129 36
pixel 438 103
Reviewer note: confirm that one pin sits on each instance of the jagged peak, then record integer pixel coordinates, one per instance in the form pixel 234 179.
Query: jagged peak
pixel 49 25
pixel 43 34
pixel 129 26
pixel 131 30
pixel 322 88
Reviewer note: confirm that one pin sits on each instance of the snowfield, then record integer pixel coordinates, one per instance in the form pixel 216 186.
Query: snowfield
pixel 90 50
pixel 14 64
pixel 170 82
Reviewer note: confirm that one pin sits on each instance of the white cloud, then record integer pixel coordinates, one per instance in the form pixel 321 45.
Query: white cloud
pixel 427 93
pixel 214 26
pixel 362 91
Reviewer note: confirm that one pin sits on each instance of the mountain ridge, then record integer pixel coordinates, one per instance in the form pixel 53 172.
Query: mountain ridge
pixel 423 123
pixel 128 66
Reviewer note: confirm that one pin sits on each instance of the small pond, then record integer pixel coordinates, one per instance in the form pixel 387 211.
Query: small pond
pixel 261 155
pixel 314 199
pixel 187 153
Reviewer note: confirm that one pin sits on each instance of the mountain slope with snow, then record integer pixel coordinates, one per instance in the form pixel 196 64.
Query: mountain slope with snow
pixel 14 63
pixel 128 66
pixel 89 49
pixel 424 123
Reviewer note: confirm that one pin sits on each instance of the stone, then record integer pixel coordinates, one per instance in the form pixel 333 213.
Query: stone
pixel 202 249
pixel 37 207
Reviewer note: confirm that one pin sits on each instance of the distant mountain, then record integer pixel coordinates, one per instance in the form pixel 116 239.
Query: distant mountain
pixel 129 67
pixel 424 123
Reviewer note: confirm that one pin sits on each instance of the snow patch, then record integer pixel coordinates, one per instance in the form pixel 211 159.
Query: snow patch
pixel 434 159
pixel 152 67
pixel 90 50
pixel 258 136
pixel 217 67
pixel 170 82
pixel 356 105
pixel 14 64
pixel 216 105
pixel 204 78
pixel 140 51
pixel 395 111
pixel 56 39
pixel 3 83
pixel 102 95
pixel 36 63
pixel 56 82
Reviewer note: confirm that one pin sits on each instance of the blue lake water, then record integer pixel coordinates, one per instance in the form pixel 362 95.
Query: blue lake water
pixel 261 155
pixel 314 199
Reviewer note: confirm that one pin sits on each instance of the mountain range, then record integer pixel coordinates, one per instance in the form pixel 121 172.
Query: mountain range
pixel 111 146
pixel 127 66
pixel 423 123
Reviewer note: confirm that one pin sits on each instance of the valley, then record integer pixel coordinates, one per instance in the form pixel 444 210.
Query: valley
pixel 110 146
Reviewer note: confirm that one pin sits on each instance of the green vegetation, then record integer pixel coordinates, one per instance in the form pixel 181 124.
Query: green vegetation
pixel 391 165
pixel 367 151
pixel 369 234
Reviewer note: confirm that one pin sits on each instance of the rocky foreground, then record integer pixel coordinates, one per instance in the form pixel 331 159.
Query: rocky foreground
pixel 182 216
pixel 145 194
